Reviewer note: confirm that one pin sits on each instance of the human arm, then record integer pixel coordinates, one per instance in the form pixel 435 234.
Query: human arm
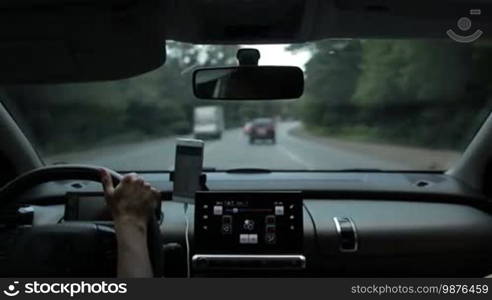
pixel 131 204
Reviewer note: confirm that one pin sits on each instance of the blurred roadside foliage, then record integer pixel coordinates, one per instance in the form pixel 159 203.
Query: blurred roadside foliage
pixel 432 93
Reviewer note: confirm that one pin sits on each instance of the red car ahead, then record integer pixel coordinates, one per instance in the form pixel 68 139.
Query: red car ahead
pixel 262 129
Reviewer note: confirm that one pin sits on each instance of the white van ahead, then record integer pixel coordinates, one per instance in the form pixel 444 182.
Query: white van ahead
pixel 208 122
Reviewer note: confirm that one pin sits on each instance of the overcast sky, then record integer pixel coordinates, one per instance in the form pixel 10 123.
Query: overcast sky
pixel 277 55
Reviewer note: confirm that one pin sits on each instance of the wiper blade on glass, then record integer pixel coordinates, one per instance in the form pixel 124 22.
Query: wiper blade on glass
pixel 360 170
pixel 249 171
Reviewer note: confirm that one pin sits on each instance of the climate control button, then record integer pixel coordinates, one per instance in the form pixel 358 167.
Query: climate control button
pixel 270 238
pixel 249 225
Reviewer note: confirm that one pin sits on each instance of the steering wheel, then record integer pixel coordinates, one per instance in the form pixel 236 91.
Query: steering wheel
pixel 95 235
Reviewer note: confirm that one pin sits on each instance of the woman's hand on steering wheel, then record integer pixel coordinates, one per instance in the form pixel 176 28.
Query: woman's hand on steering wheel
pixel 132 203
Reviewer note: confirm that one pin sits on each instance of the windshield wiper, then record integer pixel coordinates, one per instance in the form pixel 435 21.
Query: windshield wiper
pixel 249 171
pixel 266 171
pixel 360 170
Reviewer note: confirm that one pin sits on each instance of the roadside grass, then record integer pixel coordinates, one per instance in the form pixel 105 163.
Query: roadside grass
pixel 354 133
pixel 368 141
pixel 363 133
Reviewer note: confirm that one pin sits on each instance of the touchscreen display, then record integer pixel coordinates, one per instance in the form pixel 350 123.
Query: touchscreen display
pixel 248 223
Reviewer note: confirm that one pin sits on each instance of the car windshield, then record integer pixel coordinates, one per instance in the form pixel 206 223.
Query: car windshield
pixel 367 104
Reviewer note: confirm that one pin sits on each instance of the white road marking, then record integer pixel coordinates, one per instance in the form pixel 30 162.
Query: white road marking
pixel 295 157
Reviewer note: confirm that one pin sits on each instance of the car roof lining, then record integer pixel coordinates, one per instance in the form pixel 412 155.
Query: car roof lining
pixel 87 40
pixel 226 22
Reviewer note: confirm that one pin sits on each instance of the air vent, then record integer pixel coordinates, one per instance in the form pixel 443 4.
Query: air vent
pixel 13 216
pixel 9 217
pixel 347 234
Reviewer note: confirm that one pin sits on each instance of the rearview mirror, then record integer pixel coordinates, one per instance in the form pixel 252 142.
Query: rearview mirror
pixel 248 83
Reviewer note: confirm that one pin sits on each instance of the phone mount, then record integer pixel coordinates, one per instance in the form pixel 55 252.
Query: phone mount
pixel 202 180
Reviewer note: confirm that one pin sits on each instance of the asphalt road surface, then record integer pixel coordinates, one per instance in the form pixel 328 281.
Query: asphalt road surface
pixel 233 151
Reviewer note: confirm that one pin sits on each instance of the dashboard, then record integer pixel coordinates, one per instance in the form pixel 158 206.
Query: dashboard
pixel 300 224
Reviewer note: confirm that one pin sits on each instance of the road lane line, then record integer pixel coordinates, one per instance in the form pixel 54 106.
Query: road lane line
pixel 295 157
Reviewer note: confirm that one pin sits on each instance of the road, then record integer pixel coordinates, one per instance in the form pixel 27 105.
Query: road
pixel 233 151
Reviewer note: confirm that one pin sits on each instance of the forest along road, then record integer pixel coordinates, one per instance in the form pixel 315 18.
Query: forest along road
pixel 233 151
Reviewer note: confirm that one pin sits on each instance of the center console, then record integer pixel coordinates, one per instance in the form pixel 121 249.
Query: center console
pixel 240 230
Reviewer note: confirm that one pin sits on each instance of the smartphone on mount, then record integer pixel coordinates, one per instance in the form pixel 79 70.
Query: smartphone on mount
pixel 188 166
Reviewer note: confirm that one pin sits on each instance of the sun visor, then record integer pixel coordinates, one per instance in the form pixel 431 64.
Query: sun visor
pixel 48 41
